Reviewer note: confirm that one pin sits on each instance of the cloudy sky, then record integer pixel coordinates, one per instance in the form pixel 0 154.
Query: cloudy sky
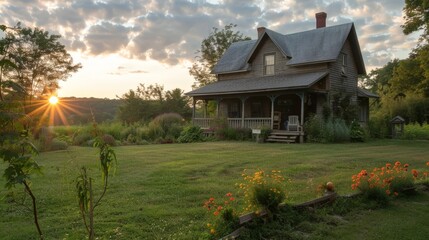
pixel 121 43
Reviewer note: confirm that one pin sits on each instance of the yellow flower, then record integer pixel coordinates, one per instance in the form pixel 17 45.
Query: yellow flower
pixel 212 231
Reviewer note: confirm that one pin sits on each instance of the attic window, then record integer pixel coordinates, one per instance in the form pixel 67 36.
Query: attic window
pixel 269 60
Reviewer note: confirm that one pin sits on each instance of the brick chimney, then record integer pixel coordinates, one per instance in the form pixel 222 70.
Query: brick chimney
pixel 321 19
pixel 261 31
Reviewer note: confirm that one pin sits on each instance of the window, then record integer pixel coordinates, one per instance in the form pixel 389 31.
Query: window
pixel 269 64
pixel 343 59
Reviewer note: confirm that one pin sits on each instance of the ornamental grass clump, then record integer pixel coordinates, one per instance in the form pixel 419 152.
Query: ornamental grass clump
pixel 223 215
pixel 263 190
pixel 385 181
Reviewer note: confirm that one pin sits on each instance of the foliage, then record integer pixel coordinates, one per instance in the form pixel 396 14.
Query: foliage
pixel 212 49
pixel 416 17
pixel 343 108
pixel 263 190
pixel 84 190
pixel 167 125
pixel 191 134
pixel 384 181
pixel 223 215
pixel 146 103
pixel 40 60
pixel 265 133
pixel 357 133
pixel 416 132
pixel 329 131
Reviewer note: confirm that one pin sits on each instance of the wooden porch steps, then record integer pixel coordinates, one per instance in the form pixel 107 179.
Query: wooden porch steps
pixel 283 137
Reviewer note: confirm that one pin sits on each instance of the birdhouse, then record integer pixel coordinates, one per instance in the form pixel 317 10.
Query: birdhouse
pixel 397 126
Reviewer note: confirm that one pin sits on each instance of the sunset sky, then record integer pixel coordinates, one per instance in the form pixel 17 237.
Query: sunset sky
pixel 123 43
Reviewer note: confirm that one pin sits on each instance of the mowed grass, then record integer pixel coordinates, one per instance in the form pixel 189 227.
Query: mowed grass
pixel 158 191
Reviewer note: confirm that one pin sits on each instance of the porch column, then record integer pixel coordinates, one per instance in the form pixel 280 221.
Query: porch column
pixel 218 100
pixel 243 101
pixel 301 134
pixel 273 99
pixel 193 110
pixel 205 108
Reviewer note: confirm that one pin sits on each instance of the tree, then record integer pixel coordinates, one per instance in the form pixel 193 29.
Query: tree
pixel 212 49
pixel 416 17
pixel 177 102
pixel 40 60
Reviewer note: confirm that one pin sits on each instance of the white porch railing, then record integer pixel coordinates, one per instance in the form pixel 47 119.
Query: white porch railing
pixel 235 122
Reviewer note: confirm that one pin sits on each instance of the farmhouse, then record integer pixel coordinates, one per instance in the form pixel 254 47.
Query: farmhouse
pixel 278 80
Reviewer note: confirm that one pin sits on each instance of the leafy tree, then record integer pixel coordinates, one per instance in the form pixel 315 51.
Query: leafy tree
pixel 177 102
pixel 40 60
pixel 378 80
pixel 212 49
pixel 416 17
pixel 146 103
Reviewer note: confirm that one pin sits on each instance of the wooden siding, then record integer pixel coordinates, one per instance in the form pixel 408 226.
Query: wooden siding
pixel 344 84
pixel 257 64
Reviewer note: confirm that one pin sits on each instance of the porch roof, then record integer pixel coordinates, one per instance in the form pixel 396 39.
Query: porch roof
pixel 259 84
pixel 365 93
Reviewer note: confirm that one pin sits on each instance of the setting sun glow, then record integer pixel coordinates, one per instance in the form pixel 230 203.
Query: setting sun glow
pixel 53 100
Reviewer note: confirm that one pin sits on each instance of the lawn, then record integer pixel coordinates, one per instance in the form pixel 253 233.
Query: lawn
pixel 158 190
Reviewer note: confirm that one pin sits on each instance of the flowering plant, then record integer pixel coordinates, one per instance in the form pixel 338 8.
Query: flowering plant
pixel 224 214
pixel 263 190
pixel 384 181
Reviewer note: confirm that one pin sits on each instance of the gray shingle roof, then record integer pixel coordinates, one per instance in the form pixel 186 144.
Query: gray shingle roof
pixel 365 93
pixel 313 46
pixel 260 84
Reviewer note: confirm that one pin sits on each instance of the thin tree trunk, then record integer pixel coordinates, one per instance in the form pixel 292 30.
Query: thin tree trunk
pixel 36 221
pixel 91 212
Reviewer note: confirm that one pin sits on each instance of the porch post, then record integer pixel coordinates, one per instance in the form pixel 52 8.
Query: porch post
pixel 273 99
pixel 243 101
pixel 193 110
pixel 301 136
pixel 205 108
pixel 218 100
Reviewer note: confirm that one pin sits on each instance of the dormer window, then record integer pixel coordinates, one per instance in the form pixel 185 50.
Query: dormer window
pixel 269 60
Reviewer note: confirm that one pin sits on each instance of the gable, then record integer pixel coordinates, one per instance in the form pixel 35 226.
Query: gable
pixel 304 48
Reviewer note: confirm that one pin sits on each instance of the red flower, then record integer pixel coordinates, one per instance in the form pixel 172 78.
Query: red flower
pixel 229 194
pixel 415 173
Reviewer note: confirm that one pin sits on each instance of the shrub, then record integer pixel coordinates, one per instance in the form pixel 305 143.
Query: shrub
pixel 223 215
pixel 379 126
pixel 191 134
pixel 109 139
pixel 357 133
pixel 265 133
pixel 167 124
pixel 58 144
pixel 263 190
pixel 81 138
pixel 326 131
pixel 416 132
pixel 384 181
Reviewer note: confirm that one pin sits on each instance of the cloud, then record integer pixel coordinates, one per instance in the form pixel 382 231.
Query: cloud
pixel 171 31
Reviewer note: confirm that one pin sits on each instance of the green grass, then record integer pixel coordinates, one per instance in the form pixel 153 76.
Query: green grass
pixel 158 190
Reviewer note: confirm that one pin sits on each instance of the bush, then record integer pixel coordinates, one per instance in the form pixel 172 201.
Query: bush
pixel 191 134
pixel 58 144
pixel 109 139
pixel 81 138
pixel 379 126
pixel 263 190
pixel 329 131
pixel 167 124
pixel 416 132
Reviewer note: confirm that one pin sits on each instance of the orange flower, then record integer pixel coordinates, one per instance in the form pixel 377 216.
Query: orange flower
pixel 388 192
pixel 397 164
pixel 231 199
pixel 229 194
pixel 427 164
pixel 388 165
pixel 216 213
pixel 406 165
pixel 415 173
pixel 396 194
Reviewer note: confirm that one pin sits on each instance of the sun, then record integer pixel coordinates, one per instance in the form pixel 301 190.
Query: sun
pixel 53 100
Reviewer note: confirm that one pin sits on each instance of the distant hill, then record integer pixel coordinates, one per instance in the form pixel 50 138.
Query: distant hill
pixel 78 110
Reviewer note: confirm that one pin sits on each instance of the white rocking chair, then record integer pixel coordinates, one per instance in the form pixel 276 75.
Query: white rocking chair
pixel 293 123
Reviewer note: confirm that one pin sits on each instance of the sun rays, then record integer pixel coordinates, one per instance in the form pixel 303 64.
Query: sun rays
pixel 46 110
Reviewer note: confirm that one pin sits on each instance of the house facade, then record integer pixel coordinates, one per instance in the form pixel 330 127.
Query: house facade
pixel 279 79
